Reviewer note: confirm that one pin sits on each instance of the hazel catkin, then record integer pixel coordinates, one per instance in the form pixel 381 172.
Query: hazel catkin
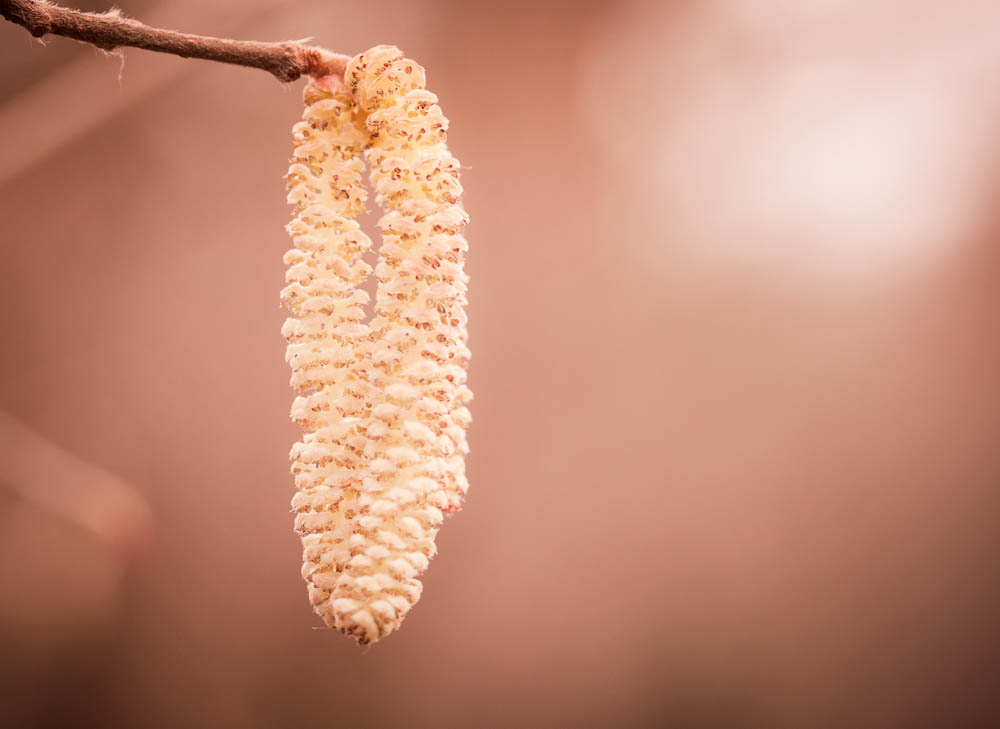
pixel 382 403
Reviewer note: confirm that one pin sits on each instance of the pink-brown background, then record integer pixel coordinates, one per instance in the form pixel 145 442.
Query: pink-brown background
pixel 734 315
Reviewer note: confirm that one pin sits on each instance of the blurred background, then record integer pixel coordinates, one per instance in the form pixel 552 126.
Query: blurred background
pixel 734 316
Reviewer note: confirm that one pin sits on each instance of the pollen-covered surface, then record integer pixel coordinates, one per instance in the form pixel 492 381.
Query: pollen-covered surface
pixel 382 402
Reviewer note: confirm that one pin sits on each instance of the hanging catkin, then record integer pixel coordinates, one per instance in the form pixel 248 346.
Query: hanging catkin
pixel 383 404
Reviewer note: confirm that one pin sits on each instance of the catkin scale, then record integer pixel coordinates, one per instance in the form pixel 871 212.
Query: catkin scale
pixel 382 403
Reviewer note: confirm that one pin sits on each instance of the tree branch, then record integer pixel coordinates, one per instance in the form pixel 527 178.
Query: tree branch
pixel 287 60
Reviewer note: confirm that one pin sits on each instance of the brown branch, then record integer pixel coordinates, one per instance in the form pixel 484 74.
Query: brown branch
pixel 287 60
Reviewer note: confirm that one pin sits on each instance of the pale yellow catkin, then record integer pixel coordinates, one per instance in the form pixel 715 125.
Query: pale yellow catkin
pixel 382 403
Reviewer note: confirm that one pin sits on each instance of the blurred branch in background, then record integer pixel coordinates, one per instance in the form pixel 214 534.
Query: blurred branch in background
pixel 60 587
pixel 287 60
pixel 58 482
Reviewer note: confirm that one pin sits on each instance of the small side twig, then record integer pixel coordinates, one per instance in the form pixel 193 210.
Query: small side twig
pixel 287 60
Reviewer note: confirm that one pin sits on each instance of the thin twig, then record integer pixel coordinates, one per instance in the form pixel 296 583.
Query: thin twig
pixel 287 60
